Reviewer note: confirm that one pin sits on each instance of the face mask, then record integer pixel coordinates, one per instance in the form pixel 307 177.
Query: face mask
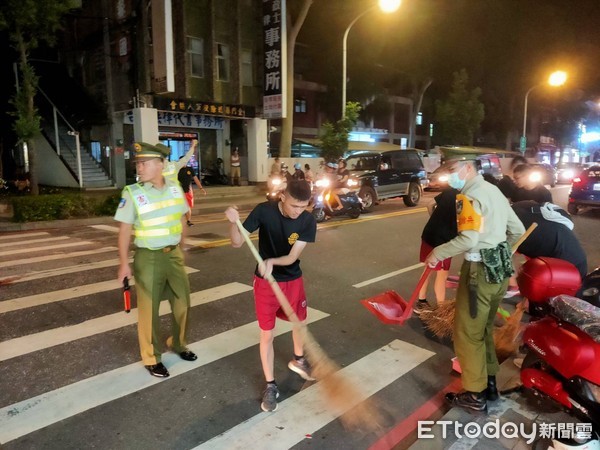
pixel 455 181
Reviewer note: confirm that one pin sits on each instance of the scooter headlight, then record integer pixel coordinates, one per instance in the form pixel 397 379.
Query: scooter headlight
pixel 320 198
pixel 322 183
pixel 276 181
pixel 352 182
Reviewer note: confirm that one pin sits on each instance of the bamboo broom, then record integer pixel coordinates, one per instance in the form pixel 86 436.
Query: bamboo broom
pixel 338 390
pixel 441 320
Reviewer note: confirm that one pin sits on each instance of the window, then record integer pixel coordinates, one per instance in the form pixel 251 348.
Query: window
pixel 196 52
pixel 419 118
pixel 300 105
pixel 96 151
pixel 247 78
pixel 222 62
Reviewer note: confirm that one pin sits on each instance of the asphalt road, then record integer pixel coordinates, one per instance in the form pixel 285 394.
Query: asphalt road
pixel 70 375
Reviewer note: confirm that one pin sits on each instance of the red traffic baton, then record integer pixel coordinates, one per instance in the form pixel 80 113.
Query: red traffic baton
pixel 126 295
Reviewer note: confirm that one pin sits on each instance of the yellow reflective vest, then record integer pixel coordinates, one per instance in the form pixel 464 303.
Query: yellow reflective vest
pixel 159 214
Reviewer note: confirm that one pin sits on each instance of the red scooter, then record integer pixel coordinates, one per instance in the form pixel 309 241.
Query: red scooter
pixel 562 362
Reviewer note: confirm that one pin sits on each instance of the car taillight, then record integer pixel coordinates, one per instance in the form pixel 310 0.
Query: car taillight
pixel 576 180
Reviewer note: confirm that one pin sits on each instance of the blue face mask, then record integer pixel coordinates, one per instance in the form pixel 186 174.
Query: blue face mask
pixel 455 181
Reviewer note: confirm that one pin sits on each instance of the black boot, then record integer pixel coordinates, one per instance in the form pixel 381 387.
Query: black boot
pixel 492 389
pixel 470 400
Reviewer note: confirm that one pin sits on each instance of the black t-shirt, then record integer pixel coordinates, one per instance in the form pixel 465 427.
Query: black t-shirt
pixel 441 226
pixel 185 176
pixel 538 194
pixel 298 175
pixel 507 186
pixel 551 239
pixel 341 174
pixel 277 234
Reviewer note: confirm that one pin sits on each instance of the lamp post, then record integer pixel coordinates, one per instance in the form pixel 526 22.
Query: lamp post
pixel 386 6
pixel 557 78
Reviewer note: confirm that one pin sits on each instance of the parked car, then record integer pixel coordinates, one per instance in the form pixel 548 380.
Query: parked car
pixel 585 191
pixel 487 165
pixel 566 171
pixel 387 174
pixel 543 172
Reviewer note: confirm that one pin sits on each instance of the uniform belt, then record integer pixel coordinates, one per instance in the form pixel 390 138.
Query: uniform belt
pixel 167 249
pixel 473 256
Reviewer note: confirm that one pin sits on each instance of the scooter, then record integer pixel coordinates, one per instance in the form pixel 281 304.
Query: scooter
pixel 324 204
pixel 214 174
pixel 276 184
pixel 562 360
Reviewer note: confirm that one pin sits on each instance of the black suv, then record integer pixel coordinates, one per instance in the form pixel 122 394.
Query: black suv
pixel 388 174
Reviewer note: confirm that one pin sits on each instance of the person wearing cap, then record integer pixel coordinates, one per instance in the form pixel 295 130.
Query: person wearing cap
pixel 154 209
pixel 487 228
pixel 298 174
pixel 235 167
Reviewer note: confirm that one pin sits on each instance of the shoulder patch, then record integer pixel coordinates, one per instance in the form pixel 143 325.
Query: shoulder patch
pixel 122 203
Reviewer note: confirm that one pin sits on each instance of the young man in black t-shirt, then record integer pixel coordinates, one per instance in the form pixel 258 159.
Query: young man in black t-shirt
pixel 284 229
pixel 186 177
pixel 528 189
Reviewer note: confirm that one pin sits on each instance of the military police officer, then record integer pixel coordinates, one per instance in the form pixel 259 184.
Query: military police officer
pixel 487 227
pixel 155 208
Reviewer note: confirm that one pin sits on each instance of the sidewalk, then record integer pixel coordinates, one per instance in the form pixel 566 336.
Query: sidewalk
pixel 216 200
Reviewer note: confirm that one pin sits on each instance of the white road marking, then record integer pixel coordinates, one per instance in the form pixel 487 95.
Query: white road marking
pixel 62 271
pixel 49 338
pixel 46 409
pixel 111 228
pixel 307 412
pixel 43 249
pixel 22 242
pixel 387 275
pixel 45 258
pixel 63 294
pixel 23 235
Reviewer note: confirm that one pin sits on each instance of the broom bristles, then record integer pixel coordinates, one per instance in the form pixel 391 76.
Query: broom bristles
pixel 440 321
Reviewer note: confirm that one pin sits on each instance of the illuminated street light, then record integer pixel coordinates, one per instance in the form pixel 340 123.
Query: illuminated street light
pixel 386 6
pixel 555 79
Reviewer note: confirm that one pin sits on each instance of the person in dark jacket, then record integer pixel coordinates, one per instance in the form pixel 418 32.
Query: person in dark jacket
pixel 527 189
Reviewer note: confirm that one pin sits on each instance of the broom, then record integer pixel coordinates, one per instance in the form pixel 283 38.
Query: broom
pixel 441 320
pixel 339 391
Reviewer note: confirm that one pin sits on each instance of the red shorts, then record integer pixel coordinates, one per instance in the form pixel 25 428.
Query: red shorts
pixel 267 305
pixel 426 249
pixel 189 196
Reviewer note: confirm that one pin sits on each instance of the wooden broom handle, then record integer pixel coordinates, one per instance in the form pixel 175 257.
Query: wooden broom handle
pixel 525 235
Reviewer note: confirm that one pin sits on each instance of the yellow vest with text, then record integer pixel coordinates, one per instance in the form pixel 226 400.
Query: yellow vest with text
pixel 159 215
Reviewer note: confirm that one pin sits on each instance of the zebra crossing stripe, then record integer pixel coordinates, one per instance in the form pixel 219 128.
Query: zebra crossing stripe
pixel 111 228
pixel 45 248
pixel 34 342
pixel 30 276
pixel 22 242
pixel 63 294
pixel 45 258
pixel 21 236
pixel 307 411
pixel 46 409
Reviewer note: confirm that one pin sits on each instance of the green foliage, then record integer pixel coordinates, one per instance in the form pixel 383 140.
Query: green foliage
pixel 334 136
pixel 461 114
pixel 62 206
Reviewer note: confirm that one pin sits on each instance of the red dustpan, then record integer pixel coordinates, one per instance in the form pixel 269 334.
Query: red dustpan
pixel 389 307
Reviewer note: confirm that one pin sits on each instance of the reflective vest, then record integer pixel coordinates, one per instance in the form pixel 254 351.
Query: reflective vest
pixel 170 171
pixel 159 215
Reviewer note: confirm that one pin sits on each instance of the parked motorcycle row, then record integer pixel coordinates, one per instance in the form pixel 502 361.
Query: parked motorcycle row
pixel 563 343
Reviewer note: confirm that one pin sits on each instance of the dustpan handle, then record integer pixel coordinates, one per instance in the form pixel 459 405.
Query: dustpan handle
pixel 413 298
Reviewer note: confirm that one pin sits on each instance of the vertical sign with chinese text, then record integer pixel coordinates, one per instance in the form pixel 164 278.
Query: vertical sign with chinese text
pixel 275 57
pixel 162 47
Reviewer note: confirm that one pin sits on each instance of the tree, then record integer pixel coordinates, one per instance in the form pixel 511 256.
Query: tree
pixel 461 114
pixel 30 23
pixel 334 137
pixel 287 123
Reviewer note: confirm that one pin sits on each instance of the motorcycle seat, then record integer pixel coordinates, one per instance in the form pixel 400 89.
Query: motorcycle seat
pixel 580 313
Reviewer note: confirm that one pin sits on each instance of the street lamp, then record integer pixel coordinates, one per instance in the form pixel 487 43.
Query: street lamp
pixel 557 78
pixel 386 6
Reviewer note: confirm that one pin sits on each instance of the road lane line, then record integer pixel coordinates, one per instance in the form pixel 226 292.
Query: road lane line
pixel 15 304
pixel 111 228
pixel 45 258
pixel 61 271
pixel 51 407
pixel 190 242
pixel 43 249
pixel 22 242
pixel 50 338
pixel 307 411
pixel 23 235
pixel 387 275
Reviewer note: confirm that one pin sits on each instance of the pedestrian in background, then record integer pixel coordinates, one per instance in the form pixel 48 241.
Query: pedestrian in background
pixel 235 167
pixel 298 174
pixel 186 177
pixel 487 227
pixel 528 189
pixel 284 229
pixel 507 184
pixel 154 209
pixel 308 174
pixel 439 229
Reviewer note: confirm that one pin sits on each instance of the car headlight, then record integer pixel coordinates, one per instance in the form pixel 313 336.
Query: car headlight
pixel 320 198
pixel 568 174
pixel 443 178
pixel 352 182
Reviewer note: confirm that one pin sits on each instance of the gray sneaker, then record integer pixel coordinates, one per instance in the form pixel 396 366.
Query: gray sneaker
pixel 302 368
pixel 270 396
